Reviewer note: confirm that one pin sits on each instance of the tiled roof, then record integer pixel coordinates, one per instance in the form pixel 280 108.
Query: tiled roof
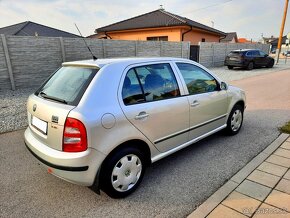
pixel 29 28
pixel 155 19
pixel 229 37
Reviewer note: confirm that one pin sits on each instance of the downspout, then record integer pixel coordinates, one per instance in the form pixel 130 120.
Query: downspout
pixel 182 37
pixel 222 38
pixel 108 35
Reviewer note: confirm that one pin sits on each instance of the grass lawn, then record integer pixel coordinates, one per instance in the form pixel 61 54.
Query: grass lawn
pixel 285 128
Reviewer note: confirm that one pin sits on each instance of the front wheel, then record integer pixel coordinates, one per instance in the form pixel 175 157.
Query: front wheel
pixel 122 172
pixel 270 64
pixel 230 67
pixel 235 120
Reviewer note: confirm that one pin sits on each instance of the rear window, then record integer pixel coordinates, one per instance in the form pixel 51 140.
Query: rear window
pixel 67 85
pixel 235 53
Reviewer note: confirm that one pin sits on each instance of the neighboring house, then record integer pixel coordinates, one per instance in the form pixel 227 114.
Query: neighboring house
pixel 29 28
pixel 160 25
pixel 244 40
pixel 268 40
pixel 274 43
pixel 230 38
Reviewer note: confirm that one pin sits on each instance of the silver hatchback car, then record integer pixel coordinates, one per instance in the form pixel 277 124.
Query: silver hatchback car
pixel 100 123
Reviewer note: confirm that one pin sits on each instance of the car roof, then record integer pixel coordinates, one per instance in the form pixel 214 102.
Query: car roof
pixel 99 63
pixel 244 50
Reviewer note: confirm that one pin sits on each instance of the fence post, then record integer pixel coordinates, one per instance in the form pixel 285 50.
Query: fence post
pixel 160 48
pixel 136 48
pixel 62 49
pixel 104 49
pixel 181 43
pixel 213 55
pixel 8 61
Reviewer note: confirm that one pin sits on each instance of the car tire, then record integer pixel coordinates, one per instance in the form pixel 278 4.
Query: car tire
pixel 250 66
pixel 235 120
pixel 270 64
pixel 122 172
pixel 230 67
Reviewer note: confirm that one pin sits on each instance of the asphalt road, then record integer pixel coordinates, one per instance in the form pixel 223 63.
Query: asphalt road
pixel 172 187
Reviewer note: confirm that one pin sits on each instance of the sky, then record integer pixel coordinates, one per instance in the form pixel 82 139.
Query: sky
pixel 249 18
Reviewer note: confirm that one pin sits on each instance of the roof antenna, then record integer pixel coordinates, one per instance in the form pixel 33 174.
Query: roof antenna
pixel 94 57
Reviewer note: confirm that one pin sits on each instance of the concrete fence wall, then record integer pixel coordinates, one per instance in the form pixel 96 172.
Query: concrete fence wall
pixel 213 54
pixel 27 61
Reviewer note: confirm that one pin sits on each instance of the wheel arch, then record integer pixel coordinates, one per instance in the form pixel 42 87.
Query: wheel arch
pixel 241 103
pixel 136 143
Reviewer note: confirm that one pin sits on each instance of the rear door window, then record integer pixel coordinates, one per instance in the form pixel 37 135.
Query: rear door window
pixel 67 85
pixel 149 83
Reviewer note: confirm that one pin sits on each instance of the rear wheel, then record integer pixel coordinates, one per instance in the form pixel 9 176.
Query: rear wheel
pixel 250 66
pixel 122 172
pixel 230 67
pixel 235 120
pixel 270 64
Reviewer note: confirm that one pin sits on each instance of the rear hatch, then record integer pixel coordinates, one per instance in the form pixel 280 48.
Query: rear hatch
pixel 50 105
pixel 235 56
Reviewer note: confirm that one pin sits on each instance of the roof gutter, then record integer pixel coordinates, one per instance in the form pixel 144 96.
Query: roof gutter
pixel 182 37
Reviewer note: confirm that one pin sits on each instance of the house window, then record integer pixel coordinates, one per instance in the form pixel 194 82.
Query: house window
pixel 157 38
pixel 203 39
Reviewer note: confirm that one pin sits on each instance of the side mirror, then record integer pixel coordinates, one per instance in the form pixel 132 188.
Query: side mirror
pixel 224 86
pixel 265 55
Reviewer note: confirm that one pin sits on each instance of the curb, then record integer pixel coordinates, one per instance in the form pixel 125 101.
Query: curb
pixel 214 200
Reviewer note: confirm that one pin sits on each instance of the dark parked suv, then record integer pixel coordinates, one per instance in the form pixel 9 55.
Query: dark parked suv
pixel 248 58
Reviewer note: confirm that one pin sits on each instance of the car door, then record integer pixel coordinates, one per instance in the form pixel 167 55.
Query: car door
pixel 264 58
pixel 258 58
pixel 208 103
pixel 151 100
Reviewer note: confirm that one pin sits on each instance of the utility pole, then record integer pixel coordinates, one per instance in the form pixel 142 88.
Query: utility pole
pixel 282 30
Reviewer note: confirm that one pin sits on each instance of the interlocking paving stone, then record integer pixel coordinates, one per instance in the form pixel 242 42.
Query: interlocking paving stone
pixel 268 211
pixel 241 203
pixel 287 175
pixel 279 199
pixel 286 145
pixel 272 168
pixel 214 200
pixel 254 190
pixel 284 186
pixel 225 212
pixel 282 161
pixel 264 178
pixel 282 152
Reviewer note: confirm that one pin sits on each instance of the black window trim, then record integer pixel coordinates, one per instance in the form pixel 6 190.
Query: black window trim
pixel 140 84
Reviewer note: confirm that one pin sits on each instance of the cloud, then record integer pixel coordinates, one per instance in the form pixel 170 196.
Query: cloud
pixel 248 17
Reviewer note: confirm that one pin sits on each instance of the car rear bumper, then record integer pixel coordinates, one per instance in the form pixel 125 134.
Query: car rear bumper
pixel 236 63
pixel 75 167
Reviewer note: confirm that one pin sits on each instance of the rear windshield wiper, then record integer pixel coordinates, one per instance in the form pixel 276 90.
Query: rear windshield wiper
pixel 44 95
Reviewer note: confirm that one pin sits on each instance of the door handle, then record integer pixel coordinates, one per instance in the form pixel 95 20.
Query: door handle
pixel 141 115
pixel 194 103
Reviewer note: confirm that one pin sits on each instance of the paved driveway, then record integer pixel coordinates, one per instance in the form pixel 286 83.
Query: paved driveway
pixel 172 187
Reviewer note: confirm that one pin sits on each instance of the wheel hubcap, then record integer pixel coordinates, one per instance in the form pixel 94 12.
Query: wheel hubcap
pixel 126 173
pixel 236 120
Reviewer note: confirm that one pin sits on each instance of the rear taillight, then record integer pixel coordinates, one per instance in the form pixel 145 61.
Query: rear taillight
pixel 74 136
